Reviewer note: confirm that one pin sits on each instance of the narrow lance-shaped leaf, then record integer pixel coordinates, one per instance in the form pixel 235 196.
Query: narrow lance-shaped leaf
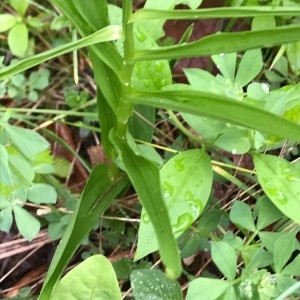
pixel 109 33
pixel 87 19
pixel 219 108
pixel 186 184
pixel 223 43
pixel 98 194
pixel 217 12
pixel 144 176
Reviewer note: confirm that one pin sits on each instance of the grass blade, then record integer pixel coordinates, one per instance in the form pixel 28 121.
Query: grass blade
pixel 223 43
pixel 109 33
pixel 219 108
pixel 98 194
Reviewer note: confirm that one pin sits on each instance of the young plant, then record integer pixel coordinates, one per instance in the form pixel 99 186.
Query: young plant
pixel 17 24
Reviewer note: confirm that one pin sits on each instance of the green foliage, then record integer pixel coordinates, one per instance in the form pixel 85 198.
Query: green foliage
pixel 24 156
pixel 232 110
pixel 185 196
pixel 145 285
pixel 92 279
pixel 275 250
pixel 18 26
pixel 280 181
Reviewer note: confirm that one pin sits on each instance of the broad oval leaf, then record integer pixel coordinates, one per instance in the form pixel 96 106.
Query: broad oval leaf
pixel 18 39
pixel 94 279
pixel 154 284
pixel 20 6
pixel 186 183
pixel 28 225
pixel 206 289
pixel 42 193
pixel 7 21
pixel 241 215
pixel 280 180
pixel 26 141
pixel 224 256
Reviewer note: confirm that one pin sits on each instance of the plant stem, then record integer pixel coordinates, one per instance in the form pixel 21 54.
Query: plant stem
pixel 126 108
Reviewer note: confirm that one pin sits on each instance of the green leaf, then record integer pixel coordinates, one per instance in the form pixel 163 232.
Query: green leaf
pixel 20 6
pixel 147 75
pixel 35 22
pixel 241 215
pixel 7 21
pixel 39 80
pixel 141 123
pixel 144 176
pixel 151 74
pixel 234 140
pixel 150 153
pixel 18 39
pixel 224 256
pixel 59 22
pixel 42 193
pixel 20 166
pixel 226 63
pixel 267 213
pixel 292 269
pixel 263 22
pixel 256 257
pixel 155 28
pixel 268 239
pixel 186 183
pixel 26 141
pixel 249 67
pixel 6 219
pixel 284 246
pixel 96 197
pixel 28 225
pixel 209 289
pixel 209 221
pixel 94 279
pixel 219 108
pixel 6 175
pixel 153 284
pixel 218 12
pixel 204 81
pixel 280 180
pixel 230 294
pixel 292 51
pixel 209 129
pixel 108 33
pixel 223 43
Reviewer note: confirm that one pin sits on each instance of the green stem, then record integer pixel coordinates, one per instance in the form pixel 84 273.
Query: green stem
pixel 126 109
